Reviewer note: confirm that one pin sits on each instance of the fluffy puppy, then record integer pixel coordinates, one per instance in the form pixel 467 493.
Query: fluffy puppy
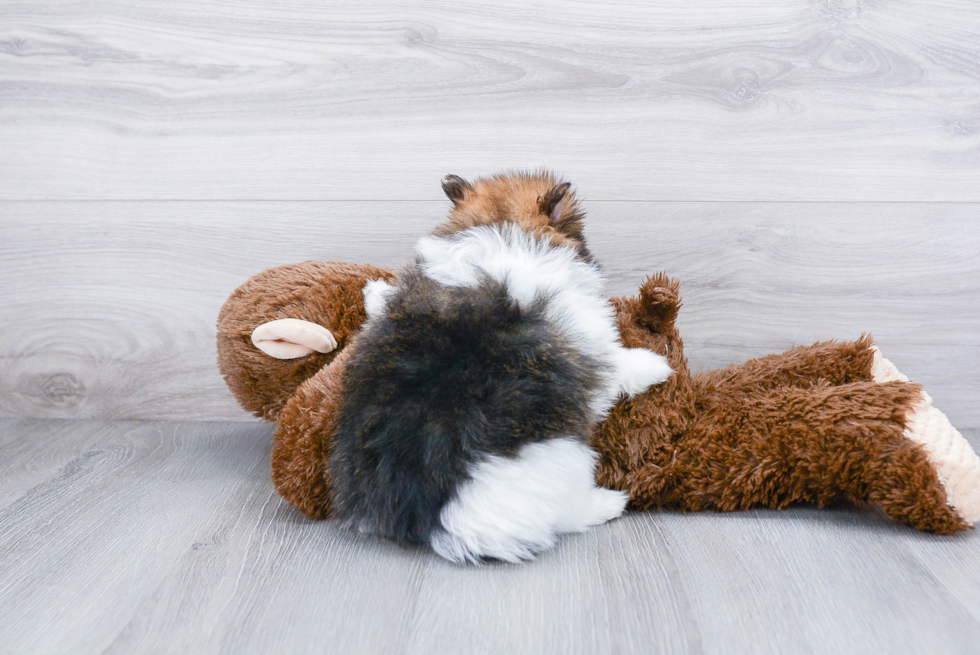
pixel 473 387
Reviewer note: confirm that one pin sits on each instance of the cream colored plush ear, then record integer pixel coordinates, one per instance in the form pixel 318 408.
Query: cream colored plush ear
pixel 291 338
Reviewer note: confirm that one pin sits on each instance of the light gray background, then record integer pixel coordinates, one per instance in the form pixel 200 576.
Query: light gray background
pixel 809 170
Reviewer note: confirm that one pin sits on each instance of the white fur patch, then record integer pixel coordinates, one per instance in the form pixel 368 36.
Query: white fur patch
pixel 639 369
pixel 514 508
pixel 535 271
pixel 375 297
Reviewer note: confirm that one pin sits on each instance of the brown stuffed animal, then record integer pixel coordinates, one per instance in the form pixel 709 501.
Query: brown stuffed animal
pixel 815 424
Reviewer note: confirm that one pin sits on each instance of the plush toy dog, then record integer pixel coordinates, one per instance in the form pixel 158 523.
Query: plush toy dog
pixel 815 424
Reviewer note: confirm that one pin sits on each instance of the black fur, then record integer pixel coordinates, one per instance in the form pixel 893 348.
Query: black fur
pixel 446 377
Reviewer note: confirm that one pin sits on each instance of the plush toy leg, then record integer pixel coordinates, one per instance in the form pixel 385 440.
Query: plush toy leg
pixel 957 465
pixel 301 449
pixel 791 445
pixel 834 362
pixel 643 427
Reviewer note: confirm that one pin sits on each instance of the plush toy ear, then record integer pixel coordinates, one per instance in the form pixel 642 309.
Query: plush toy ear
pixel 291 338
pixel 550 203
pixel 455 188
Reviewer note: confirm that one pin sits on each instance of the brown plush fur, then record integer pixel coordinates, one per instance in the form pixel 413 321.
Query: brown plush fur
pixel 807 425
pixel 302 444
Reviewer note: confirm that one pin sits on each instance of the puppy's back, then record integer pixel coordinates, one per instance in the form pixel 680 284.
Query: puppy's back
pixel 448 378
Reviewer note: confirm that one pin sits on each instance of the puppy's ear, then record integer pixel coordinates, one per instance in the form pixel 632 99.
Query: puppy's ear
pixel 550 203
pixel 455 188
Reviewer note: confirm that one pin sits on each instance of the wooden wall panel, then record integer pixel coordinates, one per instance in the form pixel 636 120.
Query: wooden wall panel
pixel 109 307
pixel 677 100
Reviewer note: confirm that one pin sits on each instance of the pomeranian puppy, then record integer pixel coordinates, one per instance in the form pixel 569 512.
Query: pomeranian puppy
pixel 473 387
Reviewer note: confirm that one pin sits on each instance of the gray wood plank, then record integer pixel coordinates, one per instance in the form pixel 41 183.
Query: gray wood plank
pixel 109 307
pixel 82 547
pixel 674 100
pixel 270 581
pixel 821 581
pixel 611 590
pixel 168 537
pixel 35 451
pixel 952 563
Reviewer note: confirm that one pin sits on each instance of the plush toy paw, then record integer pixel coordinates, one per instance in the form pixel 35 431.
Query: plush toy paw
pixel 375 297
pixel 291 338
pixel 637 369
pixel 956 465
pixel 659 302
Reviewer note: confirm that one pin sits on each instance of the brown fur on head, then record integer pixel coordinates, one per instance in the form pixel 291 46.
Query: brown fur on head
pixel 539 202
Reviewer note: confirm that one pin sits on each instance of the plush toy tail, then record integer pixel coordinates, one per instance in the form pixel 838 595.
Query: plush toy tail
pixel 955 463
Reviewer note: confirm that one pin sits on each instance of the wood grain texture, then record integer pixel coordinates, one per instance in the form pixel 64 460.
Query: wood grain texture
pixel 168 537
pixel 674 100
pixel 109 308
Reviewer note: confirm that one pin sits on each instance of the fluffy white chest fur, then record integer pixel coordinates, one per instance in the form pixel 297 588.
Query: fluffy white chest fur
pixel 513 507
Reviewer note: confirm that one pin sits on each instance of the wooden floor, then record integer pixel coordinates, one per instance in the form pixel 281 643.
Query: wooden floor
pixel 809 169
pixel 136 537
